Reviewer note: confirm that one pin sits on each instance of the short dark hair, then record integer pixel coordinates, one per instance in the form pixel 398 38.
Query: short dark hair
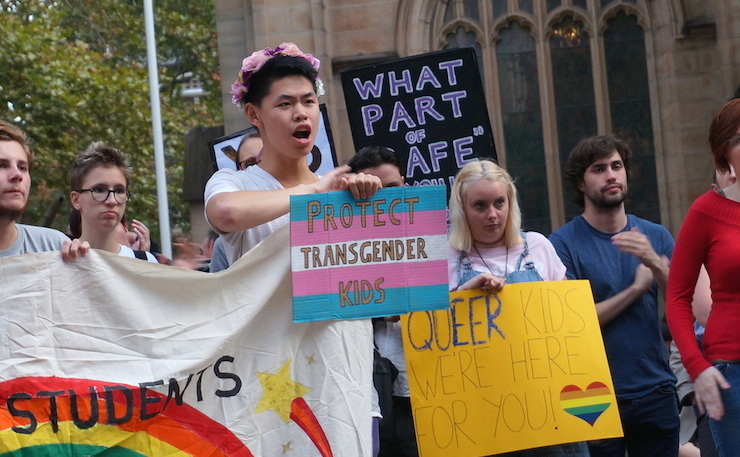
pixel 588 151
pixel 722 128
pixel 374 156
pixel 97 154
pixel 75 223
pixel 276 68
pixel 10 132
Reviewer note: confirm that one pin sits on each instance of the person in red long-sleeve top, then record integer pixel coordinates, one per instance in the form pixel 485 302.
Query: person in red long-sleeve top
pixel 710 235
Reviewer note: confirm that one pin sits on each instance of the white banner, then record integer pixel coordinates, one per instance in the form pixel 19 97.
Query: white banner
pixel 111 352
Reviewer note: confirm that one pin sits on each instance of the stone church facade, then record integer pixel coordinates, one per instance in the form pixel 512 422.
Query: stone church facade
pixel 553 71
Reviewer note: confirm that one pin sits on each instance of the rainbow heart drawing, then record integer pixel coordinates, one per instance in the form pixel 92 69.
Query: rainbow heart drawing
pixel 586 404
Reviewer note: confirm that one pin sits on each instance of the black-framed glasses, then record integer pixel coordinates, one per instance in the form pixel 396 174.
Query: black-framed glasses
pixel 244 164
pixel 101 193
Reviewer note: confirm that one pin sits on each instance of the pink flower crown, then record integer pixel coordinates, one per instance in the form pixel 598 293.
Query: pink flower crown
pixel 253 63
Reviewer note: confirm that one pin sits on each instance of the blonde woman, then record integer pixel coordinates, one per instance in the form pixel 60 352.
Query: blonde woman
pixel 488 250
pixel 487 247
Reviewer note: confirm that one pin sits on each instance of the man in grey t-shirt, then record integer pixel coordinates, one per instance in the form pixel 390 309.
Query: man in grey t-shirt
pixel 16 159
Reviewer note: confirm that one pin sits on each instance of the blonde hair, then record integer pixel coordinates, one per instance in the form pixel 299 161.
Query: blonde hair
pixel 460 236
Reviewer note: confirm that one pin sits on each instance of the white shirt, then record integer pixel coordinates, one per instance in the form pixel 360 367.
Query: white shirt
pixel 128 252
pixel 498 262
pixel 237 243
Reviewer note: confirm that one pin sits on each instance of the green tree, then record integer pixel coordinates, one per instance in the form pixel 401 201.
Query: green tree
pixel 74 71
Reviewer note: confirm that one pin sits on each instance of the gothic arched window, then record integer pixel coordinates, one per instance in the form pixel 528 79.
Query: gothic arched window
pixel 557 71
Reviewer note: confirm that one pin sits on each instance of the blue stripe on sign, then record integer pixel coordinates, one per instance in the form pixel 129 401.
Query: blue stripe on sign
pixel 400 300
pixel 430 198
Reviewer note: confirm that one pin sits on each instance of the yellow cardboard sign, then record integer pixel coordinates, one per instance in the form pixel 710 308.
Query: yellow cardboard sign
pixel 518 369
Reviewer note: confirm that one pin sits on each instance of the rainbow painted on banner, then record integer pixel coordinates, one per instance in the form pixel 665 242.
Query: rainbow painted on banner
pixel 49 416
pixel 587 404
pixel 355 259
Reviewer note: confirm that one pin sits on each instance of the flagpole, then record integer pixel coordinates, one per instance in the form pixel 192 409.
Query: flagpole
pixel 151 53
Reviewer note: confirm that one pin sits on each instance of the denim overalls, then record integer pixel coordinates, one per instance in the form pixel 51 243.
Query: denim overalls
pixel 526 273
pixel 523 273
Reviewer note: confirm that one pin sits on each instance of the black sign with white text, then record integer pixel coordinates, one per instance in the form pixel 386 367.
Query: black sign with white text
pixel 429 108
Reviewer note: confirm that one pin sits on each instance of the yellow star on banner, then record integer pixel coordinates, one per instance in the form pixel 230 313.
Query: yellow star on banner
pixel 310 359
pixel 279 392
pixel 286 447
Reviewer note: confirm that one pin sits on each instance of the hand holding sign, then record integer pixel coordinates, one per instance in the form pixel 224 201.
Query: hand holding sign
pixel 368 258
pixel 363 186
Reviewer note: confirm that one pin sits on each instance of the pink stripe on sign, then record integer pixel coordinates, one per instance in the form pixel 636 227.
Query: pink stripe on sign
pixel 425 223
pixel 405 274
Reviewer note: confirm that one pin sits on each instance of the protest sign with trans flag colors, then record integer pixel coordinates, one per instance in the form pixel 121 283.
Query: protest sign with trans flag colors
pixel 115 356
pixel 382 256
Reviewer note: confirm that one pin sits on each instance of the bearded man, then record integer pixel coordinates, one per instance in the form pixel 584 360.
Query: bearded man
pixel 626 260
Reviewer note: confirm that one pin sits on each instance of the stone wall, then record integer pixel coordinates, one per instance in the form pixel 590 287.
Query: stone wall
pixel 341 33
pixel 694 61
pixel 696 71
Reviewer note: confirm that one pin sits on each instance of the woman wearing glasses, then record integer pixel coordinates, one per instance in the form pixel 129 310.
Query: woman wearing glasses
pixel 99 180
pixel 249 151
